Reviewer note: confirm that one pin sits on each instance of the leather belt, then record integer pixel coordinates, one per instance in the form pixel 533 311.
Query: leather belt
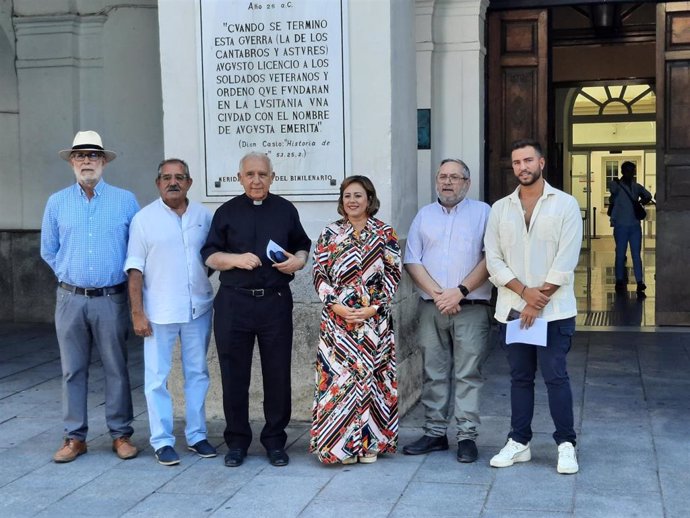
pixel 258 292
pixel 468 302
pixel 473 302
pixel 94 292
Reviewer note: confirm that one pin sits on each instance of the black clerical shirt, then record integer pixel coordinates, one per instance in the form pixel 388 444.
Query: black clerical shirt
pixel 240 226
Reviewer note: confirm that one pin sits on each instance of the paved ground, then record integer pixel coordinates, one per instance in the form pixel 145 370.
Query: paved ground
pixel 632 415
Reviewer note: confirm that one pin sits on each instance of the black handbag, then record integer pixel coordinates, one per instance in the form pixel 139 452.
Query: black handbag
pixel 640 212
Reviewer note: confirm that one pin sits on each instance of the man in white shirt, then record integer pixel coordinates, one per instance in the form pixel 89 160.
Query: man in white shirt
pixel 171 297
pixel 445 259
pixel 532 247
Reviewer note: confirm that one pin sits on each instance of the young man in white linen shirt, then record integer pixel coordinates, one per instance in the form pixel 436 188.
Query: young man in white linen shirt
pixel 445 259
pixel 171 297
pixel 532 246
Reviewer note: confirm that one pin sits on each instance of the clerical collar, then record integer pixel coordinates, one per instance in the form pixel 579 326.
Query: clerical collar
pixel 257 202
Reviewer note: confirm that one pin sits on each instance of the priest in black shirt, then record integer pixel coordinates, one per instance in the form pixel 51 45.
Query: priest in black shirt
pixel 255 302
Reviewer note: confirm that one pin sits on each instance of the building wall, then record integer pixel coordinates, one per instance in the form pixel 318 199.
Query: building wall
pixel 129 71
pixel 382 136
pixel 88 64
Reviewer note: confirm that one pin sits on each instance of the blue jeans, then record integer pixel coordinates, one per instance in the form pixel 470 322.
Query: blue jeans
pixel 158 351
pixel 624 234
pixel 523 359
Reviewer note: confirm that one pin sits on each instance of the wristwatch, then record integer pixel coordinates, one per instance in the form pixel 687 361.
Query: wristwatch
pixel 464 290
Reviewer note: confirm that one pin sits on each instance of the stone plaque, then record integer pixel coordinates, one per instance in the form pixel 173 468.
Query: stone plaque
pixel 274 80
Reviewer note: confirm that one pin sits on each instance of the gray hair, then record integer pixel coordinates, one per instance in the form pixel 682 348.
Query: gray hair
pixel 174 161
pixel 259 155
pixel 465 169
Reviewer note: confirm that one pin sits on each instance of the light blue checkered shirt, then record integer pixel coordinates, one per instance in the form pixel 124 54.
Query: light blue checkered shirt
pixel 85 242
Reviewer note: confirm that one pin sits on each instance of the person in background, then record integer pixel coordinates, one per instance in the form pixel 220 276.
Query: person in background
pixel 627 230
pixel 84 240
pixel 356 274
pixel 171 299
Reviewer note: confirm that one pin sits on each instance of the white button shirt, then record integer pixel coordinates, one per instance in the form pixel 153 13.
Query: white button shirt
pixel 449 244
pixel 166 249
pixel 547 252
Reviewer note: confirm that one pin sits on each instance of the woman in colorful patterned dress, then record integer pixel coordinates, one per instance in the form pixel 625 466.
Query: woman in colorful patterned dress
pixel 356 273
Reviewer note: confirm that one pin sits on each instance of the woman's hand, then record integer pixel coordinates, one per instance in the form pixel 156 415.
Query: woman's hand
pixel 354 315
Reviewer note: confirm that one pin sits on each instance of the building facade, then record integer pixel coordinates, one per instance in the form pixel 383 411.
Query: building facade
pixel 468 75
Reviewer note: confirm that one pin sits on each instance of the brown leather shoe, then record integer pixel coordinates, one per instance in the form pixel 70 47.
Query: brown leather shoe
pixel 124 448
pixel 70 450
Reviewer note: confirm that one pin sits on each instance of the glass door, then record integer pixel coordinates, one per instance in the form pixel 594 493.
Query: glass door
pixel 581 189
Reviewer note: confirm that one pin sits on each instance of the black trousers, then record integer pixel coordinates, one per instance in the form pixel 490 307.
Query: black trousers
pixel 239 320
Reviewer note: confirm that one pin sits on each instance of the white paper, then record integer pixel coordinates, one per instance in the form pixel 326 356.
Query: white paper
pixel 274 247
pixel 535 335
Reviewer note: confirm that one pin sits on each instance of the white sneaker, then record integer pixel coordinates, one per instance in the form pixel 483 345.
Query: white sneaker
pixel 567 460
pixel 511 453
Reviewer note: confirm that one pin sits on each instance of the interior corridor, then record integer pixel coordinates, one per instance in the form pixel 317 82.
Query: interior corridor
pixel 598 303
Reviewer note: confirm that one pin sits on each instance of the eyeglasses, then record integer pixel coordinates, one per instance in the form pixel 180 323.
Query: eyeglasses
pixel 168 177
pixel 93 156
pixel 454 178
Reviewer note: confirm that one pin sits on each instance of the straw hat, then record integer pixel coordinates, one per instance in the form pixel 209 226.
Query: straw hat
pixel 87 141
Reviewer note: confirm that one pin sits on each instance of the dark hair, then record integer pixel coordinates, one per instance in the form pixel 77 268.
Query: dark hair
pixel 373 202
pixel 628 168
pixel 174 161
pixel 524 142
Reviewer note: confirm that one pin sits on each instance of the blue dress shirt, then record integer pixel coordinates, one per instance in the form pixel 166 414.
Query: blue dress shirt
pixel 85 241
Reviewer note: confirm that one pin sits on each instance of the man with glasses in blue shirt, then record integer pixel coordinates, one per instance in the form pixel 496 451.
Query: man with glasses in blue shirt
pixel 445 258
pixel 84 240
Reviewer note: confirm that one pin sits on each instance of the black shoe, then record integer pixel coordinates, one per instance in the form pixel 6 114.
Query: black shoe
pixel 467 451
pixel 641 286
pixel 278 457
pixel 235 457
pixel 426 444
pixel 621 286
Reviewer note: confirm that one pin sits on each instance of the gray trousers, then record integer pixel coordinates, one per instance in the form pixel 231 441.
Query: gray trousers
pixel 454 348
pixel 82 322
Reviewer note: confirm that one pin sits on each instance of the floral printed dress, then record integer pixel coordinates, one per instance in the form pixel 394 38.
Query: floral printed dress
pixel 355 408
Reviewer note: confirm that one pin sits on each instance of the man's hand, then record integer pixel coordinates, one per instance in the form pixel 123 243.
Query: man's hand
pixel 536 298
pixel 247 261
pixel 290 265
pixel 527 316
pixel 448 301
pixel 548 289
pixel 141 324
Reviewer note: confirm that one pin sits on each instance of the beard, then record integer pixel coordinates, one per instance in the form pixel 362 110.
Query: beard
pixel 531 179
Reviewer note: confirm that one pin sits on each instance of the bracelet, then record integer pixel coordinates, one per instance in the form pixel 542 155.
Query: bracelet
pixel 523 290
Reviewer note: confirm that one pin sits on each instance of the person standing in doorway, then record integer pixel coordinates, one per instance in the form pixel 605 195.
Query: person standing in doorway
pixel 625 193
pixel 84 240
pixel 532 245
pixel 171 299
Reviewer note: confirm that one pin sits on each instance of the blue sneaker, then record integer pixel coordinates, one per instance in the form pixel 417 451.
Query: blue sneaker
pixel 203 449
pixel 167 456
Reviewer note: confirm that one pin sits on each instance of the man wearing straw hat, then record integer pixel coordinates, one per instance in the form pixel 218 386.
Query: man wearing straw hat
pixel 84 240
